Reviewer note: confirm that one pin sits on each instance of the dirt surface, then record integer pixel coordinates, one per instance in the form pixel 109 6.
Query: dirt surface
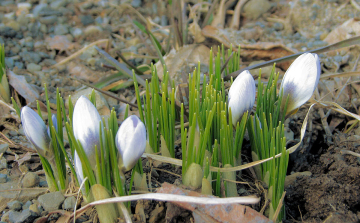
pixel 33 44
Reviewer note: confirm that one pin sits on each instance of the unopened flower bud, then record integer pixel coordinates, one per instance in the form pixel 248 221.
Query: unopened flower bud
pixel 241 95
pixel 35 130
pixel 131 142
pixel 86 121
pixel 300 81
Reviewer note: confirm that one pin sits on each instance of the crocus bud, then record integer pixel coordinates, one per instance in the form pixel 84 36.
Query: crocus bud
pixel 300 81
pixel 86 121
pixel 241 95
pixel 35 130
pixel 54 122
pixel 131 142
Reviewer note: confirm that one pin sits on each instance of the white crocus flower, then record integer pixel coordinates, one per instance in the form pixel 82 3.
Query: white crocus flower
pixel 241 95
pixel 131 142
pixel 35 131
pixel 300 81
pixel 86 121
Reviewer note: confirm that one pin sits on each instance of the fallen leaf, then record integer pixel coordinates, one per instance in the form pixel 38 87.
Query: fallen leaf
pixel 24 158
pixel 178 61
pixel 82 72
pixel 256 51
pixel 348 29
pixel 214 213
pixel 19 83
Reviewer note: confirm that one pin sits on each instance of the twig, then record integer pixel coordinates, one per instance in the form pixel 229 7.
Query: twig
pixel 348 152
pixel 72 56
pixel 104 92
pixel 226 62
pixel 338 45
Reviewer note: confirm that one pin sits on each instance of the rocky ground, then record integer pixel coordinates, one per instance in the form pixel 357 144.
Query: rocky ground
pixel 37 34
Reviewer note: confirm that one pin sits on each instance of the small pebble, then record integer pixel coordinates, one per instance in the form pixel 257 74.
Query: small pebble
pixel 14 205
pixel 31 179
pixel 61 29
pixel 19 65
pixel 86 19
pixel 33 67
pixel 34 208
pixel 26 205
pixel 31 57
pixel 69 203
pixel 48 20
pixel 58 4
pixel 3 163
pixel 9 62
pixel 51 201
pixel 24 216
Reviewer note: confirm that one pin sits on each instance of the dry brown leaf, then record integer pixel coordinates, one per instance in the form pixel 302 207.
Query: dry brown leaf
pixel 82 72
pixel 19 83
pixel 348 29
pixel 257 51
pixel 176 61
pixel 24 158
pixel 215 213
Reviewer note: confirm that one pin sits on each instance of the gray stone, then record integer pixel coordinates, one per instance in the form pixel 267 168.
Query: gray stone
pixel 26 205
pixel 51 201
pixel 136 3
pixel 37 9
pixel 43 183
pixel 34 208
pixel 99 20
pixel 33 67
pixel 26 216
pixel 86 19
pixel 58 4
pixel 69 203
pixel 3 178
pixel 76 32
pixel 30 179
pixel 30 57
pixel 61 29
pixel 3 163
pixel 19 65
pixel 14 205
pixel 48 19
pixel 9 62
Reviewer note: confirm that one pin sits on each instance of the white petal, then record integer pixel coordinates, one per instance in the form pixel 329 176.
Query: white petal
pixel 78 168
pixel 86 121
pixel 241 95
pixel 131 141
pixel 300 80
pixel 35 130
